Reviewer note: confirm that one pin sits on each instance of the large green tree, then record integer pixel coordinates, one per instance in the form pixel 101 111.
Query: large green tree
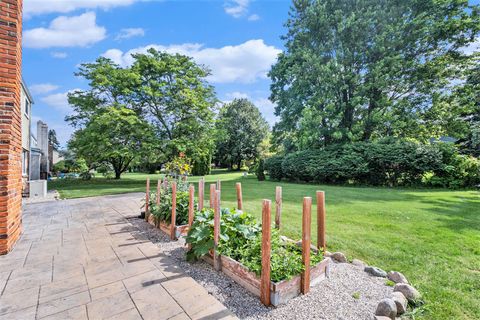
pixel 169 91
pixel 114 135
pixel 361 69
pixel 240 132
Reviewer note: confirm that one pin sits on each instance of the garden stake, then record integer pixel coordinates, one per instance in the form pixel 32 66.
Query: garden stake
pixel 306 230
pixel 212 195
pixel 216 230
pixel 174 210
pixel 159 186
pixel 278 207
pixel 266 251
pixel 219 188
pixel 201 193
pixel 191 204
pixel 321 240
pixel 147 199
pixel 238 185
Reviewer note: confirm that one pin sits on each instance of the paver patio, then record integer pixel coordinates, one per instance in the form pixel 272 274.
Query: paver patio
pixel 82 259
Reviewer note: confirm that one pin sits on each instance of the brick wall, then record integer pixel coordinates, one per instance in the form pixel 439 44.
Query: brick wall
pixel 10 123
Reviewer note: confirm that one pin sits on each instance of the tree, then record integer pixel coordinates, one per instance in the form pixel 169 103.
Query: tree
pixel 116 136
pixel 169 91
pixel 362 69
pixel 240 131
pixel 52 139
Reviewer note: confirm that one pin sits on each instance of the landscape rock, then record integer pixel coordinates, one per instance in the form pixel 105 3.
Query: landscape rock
pixel 374 271
pixel 381 318
pixel 339 257
pixel 408 291
pixel 327 254
pixel 397 277
pixel 359 263
pixel 400 302
pixel 387 308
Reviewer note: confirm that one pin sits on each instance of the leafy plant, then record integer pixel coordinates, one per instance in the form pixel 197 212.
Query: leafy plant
pixel 241 240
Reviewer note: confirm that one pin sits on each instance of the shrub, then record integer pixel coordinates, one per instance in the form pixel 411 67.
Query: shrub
pixel 260 170
pixel 201 165
pixel 386 162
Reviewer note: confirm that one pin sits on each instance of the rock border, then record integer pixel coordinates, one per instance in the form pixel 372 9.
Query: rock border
pixel 403 292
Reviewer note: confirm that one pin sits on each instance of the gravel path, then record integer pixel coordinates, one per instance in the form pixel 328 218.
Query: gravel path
pixel 333 298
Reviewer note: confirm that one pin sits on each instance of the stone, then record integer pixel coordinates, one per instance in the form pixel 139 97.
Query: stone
pixel 339 257
pixel 397 277
pixel 381 318
pixel 400 301
pixel 386 308
pixel 327 254
pixel 359 263
pixel 408 291
pixel 376 272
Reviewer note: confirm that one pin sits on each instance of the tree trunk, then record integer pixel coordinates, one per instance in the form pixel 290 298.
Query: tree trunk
pixel 117 173
pixel 239 164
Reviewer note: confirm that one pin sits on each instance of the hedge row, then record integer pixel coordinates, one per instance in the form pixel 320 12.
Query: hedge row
pixel 386 162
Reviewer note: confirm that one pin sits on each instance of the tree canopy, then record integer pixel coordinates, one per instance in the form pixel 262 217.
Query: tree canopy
pixel 116 136
pixel 169 91
pixel 241 130
pixel 363 69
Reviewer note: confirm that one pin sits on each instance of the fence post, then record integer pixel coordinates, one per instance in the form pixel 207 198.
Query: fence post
pixel 147 199
pixel 278 207
pixel 266 252
pixel 159 187
pixel 191 200
pixel 321 239
pixel 216 230
pixel 212 195
pixel 201 193
pixel 173 236
pixel 306 241
pixel 238 186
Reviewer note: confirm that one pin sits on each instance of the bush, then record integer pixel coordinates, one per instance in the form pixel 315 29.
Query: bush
pixel 260 170
pixel 201 165
pixel 386 162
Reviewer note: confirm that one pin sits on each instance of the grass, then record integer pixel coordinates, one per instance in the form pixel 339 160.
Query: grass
pixel 432 236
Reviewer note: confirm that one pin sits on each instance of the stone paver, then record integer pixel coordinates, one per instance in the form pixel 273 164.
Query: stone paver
pixel 82 259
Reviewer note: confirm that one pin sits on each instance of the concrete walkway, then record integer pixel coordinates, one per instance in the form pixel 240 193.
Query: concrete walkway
pixel 82 259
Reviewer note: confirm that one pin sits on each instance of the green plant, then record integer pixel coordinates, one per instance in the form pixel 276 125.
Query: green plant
pixel 179 166
pixel 356 295
pixel 240 239
pixel 260 170
pixel 390 283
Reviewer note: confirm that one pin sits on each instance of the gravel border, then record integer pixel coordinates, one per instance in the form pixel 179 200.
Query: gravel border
pixel 349 292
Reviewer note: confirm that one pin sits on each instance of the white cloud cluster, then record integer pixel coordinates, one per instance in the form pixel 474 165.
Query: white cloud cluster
pixel 237 8
pixel 42 88
pixel 59 101
pixel 76 31
pixel 128 33
pixel 59 55
pixel 36 7
pixel 244 63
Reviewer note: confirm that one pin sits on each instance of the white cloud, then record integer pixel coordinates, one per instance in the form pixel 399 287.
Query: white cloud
pixel 59 101
pixel 237 95
pixel 76 31
pixel 243 63
pixel 472 47
pixel 59 55
pixel 36 7
pixel 130 33
pixel 42 88
pixel 237 8
pixel 254 17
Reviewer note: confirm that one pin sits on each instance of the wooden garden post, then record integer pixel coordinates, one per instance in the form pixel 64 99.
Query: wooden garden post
pixel 201 193
pixel 219 188
pixel 147 199
pixel 216 230
pixel 278 207
pixel 306 241
pixel 266 252
pixel 159 187
pixel 321 239
pixel 212 195
pixel 191 200
pixel 173 236
pixel 238 186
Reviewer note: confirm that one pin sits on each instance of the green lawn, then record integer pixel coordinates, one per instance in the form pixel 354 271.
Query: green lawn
pixel 432 236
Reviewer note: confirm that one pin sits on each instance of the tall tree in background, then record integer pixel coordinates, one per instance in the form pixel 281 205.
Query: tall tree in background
pixel 361 69
pixel 116 136
pixel 240 132
pixel 168 91
pixel 52 139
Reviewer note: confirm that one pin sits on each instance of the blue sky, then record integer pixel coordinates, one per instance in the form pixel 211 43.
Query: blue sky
pixel 238 40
